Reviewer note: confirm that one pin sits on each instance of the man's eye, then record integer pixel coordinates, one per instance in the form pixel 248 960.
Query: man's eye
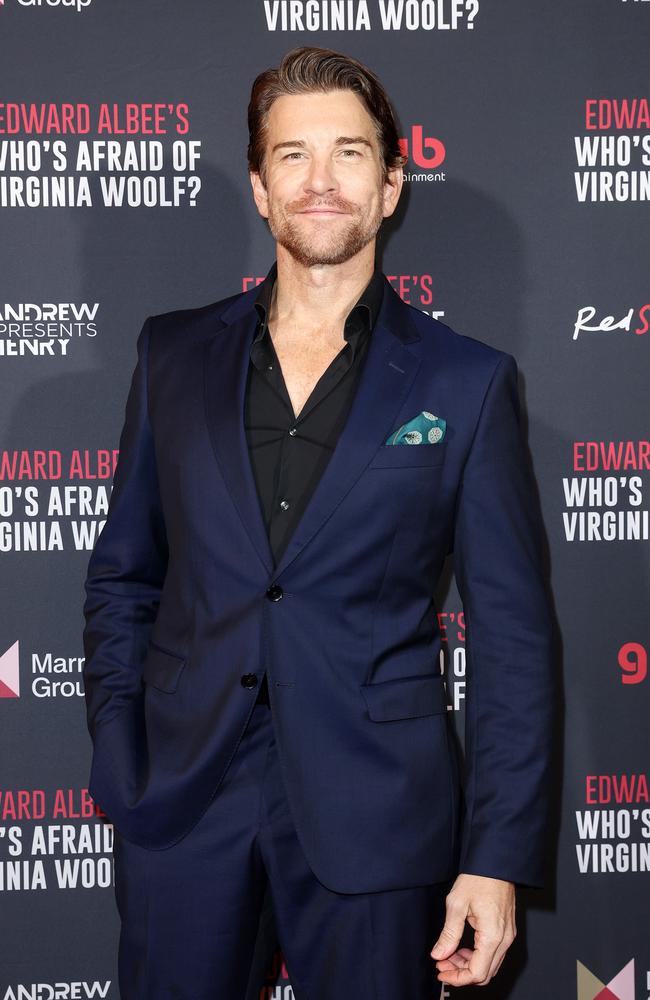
pixel 289 155
pixel 354 151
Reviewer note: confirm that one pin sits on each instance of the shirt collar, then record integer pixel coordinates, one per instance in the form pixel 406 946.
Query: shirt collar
pixel 360 320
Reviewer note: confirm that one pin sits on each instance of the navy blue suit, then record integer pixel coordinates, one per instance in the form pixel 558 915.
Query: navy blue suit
pixel 185 610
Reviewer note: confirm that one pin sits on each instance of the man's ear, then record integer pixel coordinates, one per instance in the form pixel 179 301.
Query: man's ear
pixel 259 194
pixel 392 189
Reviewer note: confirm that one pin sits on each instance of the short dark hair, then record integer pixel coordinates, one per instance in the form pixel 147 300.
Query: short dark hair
pixel 309 69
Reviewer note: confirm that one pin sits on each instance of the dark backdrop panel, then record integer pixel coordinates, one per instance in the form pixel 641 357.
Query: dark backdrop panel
pixel 530 232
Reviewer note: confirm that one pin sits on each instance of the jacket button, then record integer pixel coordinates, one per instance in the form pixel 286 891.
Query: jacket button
pixel 274 593
pixel 249 680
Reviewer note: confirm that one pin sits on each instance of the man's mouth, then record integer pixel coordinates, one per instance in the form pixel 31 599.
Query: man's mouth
pixel 321 211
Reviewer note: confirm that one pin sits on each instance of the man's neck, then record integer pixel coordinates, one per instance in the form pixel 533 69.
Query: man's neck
pixel 320 298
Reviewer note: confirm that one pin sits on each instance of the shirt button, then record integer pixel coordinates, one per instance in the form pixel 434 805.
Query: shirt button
pixel 269 368
pixel 292 431
pixel 284 504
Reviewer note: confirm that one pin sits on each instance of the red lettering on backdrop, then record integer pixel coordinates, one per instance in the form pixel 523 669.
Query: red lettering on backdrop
pixel 601 789
pixel 76 119
pixel 605 114
pixel 143 119
pixel 589 456
pixel 74 803
pixel 30 465
pixel 22 804
pixel 414 289
pixel 30 803
pixel 100 464
pixel 633 661
pixel 642 316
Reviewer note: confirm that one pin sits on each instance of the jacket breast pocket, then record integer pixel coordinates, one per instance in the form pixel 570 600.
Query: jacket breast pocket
pixel 405 697
pixel 400 456
pixel 162 669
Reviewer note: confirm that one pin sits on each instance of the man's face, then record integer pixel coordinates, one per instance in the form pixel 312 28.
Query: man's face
pixel 324 196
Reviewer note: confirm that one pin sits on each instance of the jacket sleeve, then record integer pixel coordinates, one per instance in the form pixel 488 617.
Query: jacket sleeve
pixel 510 682
pixel 128 563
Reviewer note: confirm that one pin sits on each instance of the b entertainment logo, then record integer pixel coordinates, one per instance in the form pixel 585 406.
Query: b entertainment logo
pixel 10 673
pixel 621 987
pixel 425 152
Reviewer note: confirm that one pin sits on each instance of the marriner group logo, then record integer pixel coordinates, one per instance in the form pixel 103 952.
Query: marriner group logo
pixel 77 4
pixel 621 987
pixel 9 669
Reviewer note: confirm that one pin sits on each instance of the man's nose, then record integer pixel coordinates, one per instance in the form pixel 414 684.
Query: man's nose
pixel 321 176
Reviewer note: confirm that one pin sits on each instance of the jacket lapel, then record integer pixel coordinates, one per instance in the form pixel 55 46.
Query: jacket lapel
pixel 225 371
pixel 388 371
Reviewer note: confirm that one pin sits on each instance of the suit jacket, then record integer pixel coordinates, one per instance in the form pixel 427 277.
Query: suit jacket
pixel 185 610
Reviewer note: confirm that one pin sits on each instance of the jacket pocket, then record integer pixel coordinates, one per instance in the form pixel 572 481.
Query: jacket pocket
pixel 162 669
pixel 405 698
pixel 400 456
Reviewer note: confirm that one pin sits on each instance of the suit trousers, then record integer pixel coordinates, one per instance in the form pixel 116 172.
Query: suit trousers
pixel 191 913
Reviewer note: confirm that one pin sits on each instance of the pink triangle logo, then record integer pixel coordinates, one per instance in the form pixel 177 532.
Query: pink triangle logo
pixel 621 987
pixel 9 669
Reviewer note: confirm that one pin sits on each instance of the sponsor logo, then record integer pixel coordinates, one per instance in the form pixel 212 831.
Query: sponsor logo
pixel 77 5
pixel 45 329
pixel 621 987
pixel 588 322
pixel 58 990
pixel 424 152
pixel 10 673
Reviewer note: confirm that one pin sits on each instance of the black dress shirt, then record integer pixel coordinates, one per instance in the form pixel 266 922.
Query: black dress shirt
pixel 289 453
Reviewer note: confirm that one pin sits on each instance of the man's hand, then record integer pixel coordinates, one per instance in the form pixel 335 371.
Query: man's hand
pixel 488 904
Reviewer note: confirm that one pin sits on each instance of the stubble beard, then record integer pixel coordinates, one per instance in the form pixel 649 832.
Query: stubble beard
pixel 342 244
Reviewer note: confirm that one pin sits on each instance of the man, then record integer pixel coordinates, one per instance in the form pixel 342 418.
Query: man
pixel 261 676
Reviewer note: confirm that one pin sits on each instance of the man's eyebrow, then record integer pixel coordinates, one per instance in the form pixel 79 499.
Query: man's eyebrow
pixel 346 140
pixel 343 140
pixel 289 142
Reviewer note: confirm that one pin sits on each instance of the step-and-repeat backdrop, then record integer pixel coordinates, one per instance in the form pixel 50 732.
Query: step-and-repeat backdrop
pixel 524 222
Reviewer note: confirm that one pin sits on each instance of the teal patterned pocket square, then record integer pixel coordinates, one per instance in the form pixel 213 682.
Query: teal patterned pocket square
pixel 425 428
